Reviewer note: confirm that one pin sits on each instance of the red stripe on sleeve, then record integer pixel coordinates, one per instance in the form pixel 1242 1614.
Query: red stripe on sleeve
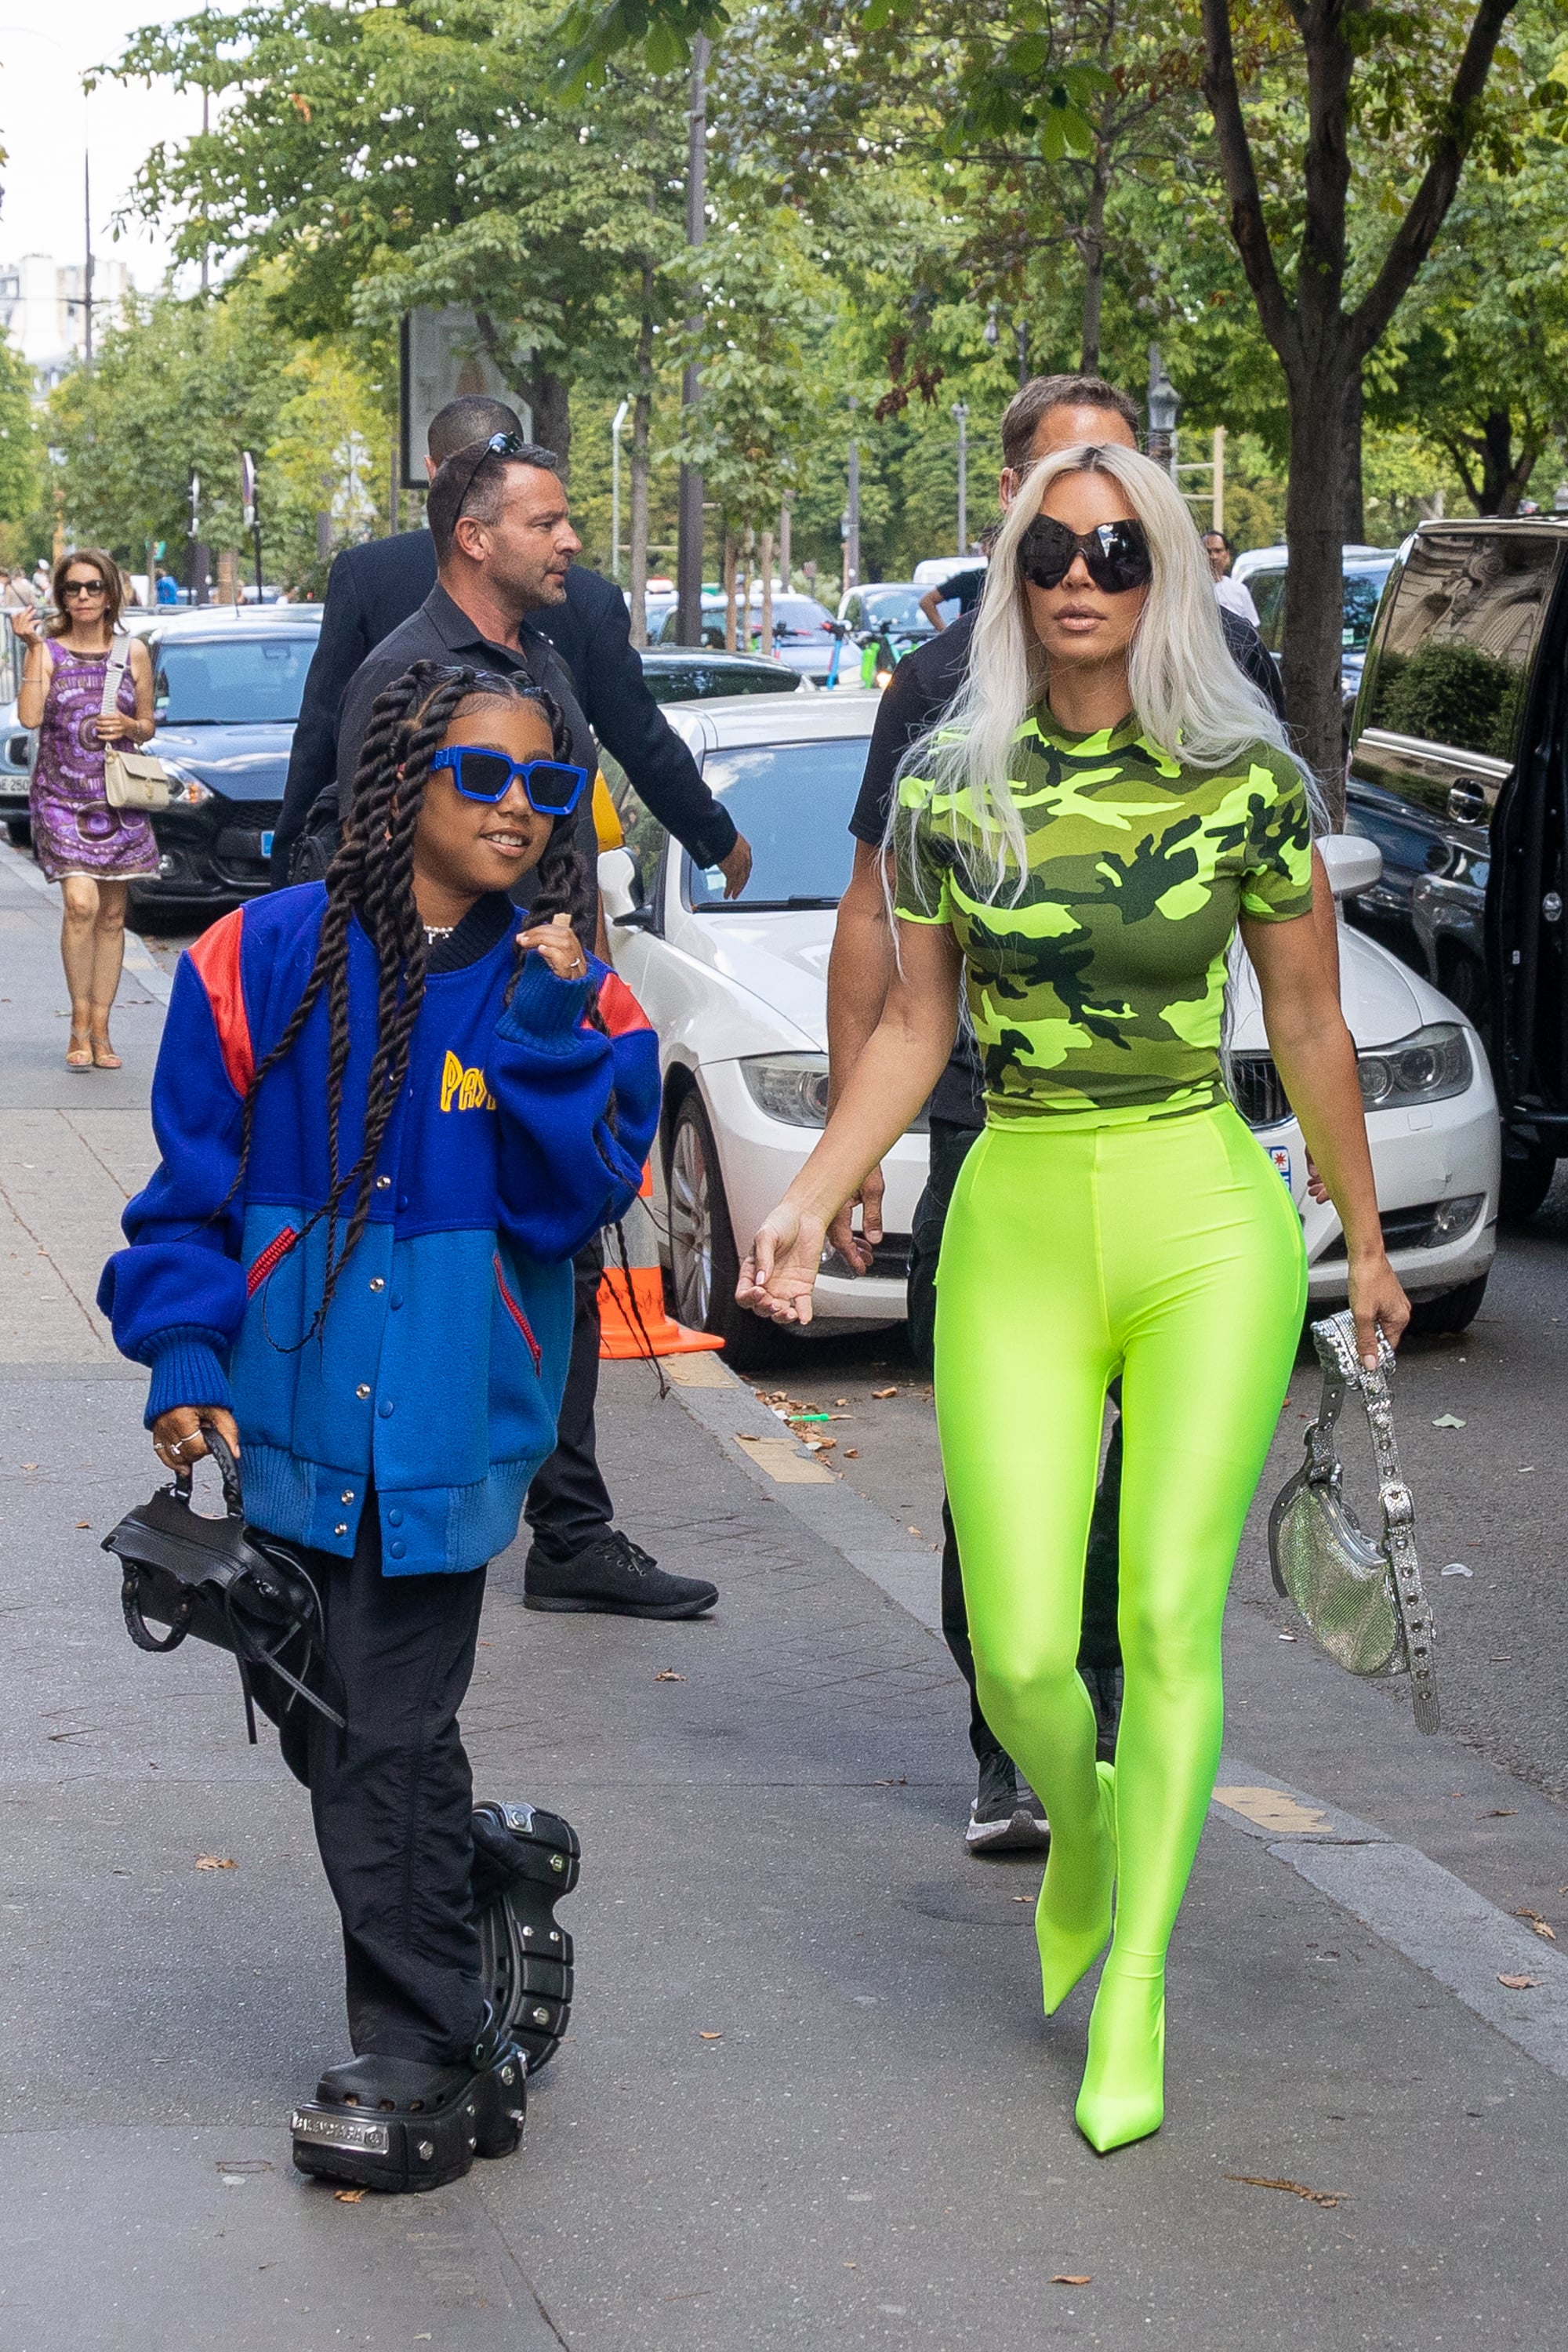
pixel 216 956
pixel 621 1011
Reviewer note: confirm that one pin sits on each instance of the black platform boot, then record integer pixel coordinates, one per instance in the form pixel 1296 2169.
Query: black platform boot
pixel 398 2124
pixel 524 1860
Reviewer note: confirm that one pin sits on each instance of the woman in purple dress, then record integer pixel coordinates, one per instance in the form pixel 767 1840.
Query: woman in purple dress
pixel 91 850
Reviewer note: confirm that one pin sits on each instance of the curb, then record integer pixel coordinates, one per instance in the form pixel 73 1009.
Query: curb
pixel 1430 1917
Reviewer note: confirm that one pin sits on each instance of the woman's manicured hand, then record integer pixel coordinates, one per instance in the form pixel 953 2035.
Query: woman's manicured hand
pixel 857 1249
pixel 177 1438
pixel 1377 1301
pixel 118 727
pixel 781 1265
pixel 558 943
pixel 25 623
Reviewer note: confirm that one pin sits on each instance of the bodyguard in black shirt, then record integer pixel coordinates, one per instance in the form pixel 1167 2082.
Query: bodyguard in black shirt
pixel 1051 412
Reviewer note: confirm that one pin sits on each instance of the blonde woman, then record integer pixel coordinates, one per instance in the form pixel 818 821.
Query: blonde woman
pixel 91 850
pixel 1078 844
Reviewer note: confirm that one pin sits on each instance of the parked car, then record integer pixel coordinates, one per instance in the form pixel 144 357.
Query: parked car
pixel 1431 1120
pixel 1366 570
pixel 225 694
pixel 804 631
pixel 934 568
pixel 893 604
pixel 737 990
pixel 13 773
pixel 1457 771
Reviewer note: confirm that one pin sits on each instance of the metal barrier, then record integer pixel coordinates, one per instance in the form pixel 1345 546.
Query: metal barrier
pixel 13 653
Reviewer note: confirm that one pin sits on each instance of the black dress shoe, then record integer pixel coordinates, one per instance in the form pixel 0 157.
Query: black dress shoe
pixel 616 1576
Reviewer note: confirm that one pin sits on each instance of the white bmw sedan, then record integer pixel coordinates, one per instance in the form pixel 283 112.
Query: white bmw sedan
pixel 738 993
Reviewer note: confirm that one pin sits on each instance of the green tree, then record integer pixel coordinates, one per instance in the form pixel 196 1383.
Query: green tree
pixel 19 449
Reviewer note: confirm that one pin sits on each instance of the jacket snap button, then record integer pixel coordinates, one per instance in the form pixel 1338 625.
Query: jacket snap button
pixel 384 1408
pixel 382 1183
pixel 376 1282
pixel 403 1199
pixel 395 1301
pixel 342 1528
pixel 395 1517
pixel 347 1496
pixel 362 1389
pixel 398 1550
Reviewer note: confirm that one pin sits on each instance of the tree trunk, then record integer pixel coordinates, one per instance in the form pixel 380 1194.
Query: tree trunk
pixel 744 639
pixel 1092 245
pixel 730 554
pixel 1504 477
pixel 642 419
pixel 766 646
pixel 1314 579
pixel 1353 526
pixel 549 396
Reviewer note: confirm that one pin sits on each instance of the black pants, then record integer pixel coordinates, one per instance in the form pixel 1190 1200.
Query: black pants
pixel 392 1795
pixel 568 1506
pixel 1100 1645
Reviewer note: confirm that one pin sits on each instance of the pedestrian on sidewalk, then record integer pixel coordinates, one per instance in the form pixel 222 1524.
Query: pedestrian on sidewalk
pixel 1231 596
pixel 503 542
pixel 1076 844
pixel 1051 412
pixel 390 1111
pixel 86 685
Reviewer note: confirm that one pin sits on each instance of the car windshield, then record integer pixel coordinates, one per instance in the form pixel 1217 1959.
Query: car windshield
pixel 793 802
pixel 894 608
pixel 236 681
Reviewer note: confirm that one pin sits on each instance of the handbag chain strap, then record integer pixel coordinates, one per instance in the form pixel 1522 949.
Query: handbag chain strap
pixel 1334 1338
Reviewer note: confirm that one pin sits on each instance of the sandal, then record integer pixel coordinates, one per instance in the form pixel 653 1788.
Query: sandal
pixel 78 1051
pixel 104 1056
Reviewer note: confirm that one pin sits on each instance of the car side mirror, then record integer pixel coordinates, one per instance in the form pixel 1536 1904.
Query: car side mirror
pixel 1353 862
pixel 636 919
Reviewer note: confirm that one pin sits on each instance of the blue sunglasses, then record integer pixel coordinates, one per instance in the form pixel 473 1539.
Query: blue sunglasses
pixel 553 788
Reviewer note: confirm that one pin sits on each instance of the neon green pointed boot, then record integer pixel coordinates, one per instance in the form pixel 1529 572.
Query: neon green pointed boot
pixel 1072 1918
pixel 1124 2094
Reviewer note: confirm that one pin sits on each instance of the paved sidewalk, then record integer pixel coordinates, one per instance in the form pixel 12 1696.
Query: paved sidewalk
pixel 808 2100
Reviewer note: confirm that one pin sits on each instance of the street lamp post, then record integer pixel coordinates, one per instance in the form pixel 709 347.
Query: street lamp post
pixel 1164 406
pixel 961 414
pixel 616 422
pixel 852 509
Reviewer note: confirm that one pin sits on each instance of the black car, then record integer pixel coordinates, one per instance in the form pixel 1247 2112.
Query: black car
pixel 678 674
pixel 226 695
pixel 1459 771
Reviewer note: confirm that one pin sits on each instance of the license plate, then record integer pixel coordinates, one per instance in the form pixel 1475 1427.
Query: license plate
pixel 342 2131
pixel 1281 1159
pixel 267 844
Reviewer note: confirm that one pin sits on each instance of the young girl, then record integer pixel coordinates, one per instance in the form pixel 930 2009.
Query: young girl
pixel 388 1116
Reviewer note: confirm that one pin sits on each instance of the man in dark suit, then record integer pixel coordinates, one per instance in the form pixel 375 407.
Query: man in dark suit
pixel 499 551
pixel 375 587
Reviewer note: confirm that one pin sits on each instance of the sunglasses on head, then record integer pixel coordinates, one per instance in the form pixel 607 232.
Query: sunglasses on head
pixel 553 789
pixel 499 445
pixel 1115 554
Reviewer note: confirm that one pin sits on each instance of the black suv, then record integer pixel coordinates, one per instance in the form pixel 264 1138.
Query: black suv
pixel 1457 772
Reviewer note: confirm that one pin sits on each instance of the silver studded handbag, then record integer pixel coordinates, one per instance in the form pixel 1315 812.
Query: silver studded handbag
pixel 1361 1596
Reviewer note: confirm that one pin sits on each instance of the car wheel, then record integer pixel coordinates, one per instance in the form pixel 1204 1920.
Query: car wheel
pixel 19 831
pixel 703 1261
pixel 1455 1311
pixel 1464 983
pixel 1526 1182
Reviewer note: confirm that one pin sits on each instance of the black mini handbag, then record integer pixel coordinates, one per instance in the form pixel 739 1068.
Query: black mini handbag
pixel 234 1586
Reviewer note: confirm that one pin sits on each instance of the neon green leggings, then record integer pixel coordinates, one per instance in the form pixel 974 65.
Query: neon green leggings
pixel 1169 1251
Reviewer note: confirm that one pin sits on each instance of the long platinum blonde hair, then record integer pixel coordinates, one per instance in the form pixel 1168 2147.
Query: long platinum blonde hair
pixel 1189 697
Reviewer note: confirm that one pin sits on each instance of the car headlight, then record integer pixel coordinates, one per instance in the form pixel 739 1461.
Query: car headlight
pixel 789 1087
pixel 186 791
pixel 1426 1068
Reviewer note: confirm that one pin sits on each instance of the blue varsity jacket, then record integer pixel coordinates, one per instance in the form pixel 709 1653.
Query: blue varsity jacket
pixel 437 1374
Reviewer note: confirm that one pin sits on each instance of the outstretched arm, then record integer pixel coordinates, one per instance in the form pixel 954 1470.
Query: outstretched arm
pixel 892 1079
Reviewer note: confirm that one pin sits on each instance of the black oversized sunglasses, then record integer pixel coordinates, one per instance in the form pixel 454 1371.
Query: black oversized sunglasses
pixel 1115 554
pixel 553 788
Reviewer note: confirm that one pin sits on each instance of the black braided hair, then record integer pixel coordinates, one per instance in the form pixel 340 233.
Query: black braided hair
pixel 372 875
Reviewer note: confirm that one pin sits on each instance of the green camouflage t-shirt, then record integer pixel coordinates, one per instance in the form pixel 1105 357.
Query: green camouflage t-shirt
pixel 1101 988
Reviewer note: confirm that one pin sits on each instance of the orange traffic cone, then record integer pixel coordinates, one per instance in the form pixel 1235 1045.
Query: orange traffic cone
pixel 639 1326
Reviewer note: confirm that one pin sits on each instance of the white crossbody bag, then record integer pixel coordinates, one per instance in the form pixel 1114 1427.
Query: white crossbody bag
pixel 131 780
